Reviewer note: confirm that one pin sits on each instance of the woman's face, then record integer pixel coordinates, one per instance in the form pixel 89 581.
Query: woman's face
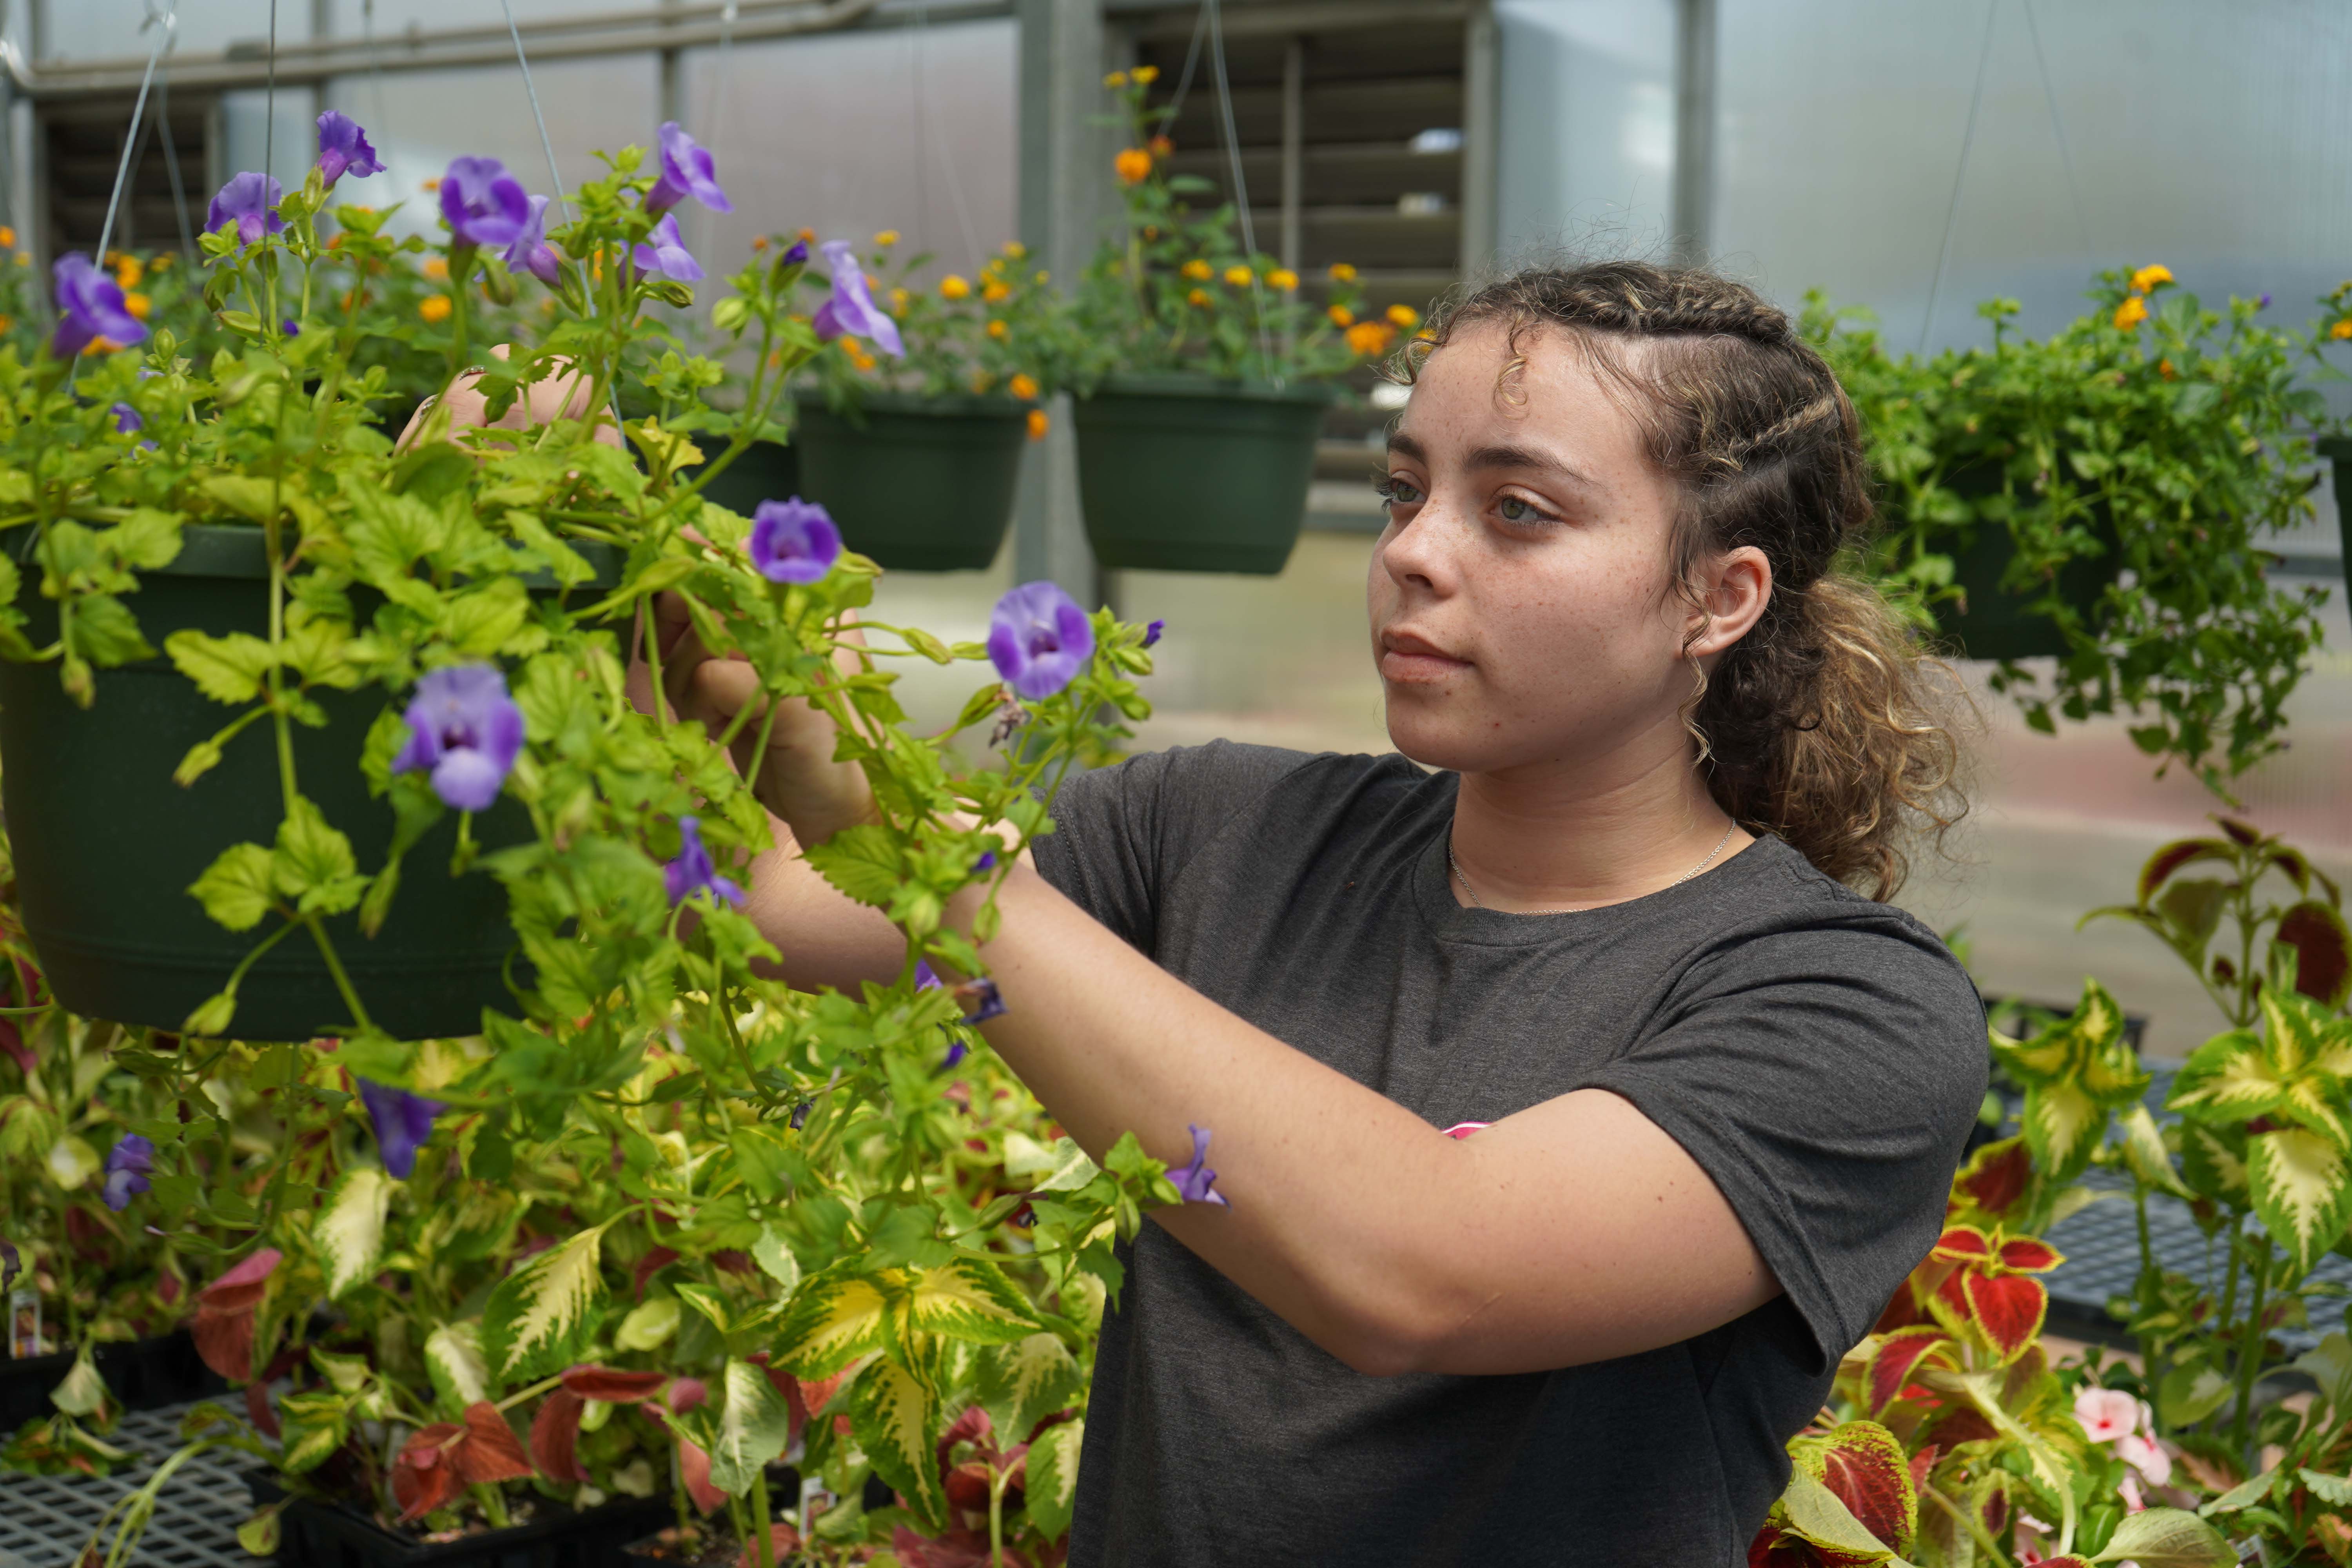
pixel 1520 611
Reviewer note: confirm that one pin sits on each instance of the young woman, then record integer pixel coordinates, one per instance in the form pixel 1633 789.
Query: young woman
pixel 1598 920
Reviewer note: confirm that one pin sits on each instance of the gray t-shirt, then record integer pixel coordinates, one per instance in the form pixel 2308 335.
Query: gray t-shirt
pixel 1818 1055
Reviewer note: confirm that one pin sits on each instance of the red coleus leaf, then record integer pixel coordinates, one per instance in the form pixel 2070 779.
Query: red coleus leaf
pixel 12 1040
pixel 424 1478
pixel 2007 1311
pixel 1773 1548
pixel 783 1542
pixel 259 1409
pixel 1962 1244
pixel 1891 1366
pixel 223 1324
pixel 694 1469
pixel 972 1426
pixel 651 1264
pixel 2323 950
pixel 685 1394
pixel 956 1549
pixel 967 1486
pixel 1865 1468
pixel 1923 1464
pixel 2029 1255
pixel 614 1387
pixel 555 1435
pixel 816 1392
pixel 731 1261
pixel 1998 1177
pixel 490 1452
pixel 2172 857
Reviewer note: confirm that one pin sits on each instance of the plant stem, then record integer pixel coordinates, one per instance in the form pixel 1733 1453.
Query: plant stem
pixel 997 1481
pixel 765 1537
pixel 335 968
pixel 1975 1526
pixel 2249 1355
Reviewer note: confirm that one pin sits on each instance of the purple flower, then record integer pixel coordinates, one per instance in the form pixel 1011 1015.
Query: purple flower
pixel 402 1123
pixel 957 1051
pixel 482 204
pixel 693 870
pixel 985 863
pixel 530 252
pixel 985 1000
pixel 127 1167
pixel 89 306
pixel 463 726
pixel 1151 633
pixel 794 541
pixel 11 1264
pixel 126 419
pixel 851 311
pixel 2264 302
pixel 290 327
pixel 797 255
pixel 250 201
pixel 1195 1183
pixel 800 1116
pixel 926 978
pixel 665 255
pixel 343 148
pixel 686 172
pixel 1039 639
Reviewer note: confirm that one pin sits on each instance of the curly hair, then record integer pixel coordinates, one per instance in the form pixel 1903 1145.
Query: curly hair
pixel 1825 724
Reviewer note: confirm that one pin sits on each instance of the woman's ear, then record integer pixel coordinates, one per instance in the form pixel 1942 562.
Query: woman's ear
pixel 1735 587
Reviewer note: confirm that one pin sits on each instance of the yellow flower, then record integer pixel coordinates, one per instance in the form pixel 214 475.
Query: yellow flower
pixel 953 287
pixel 436 268
pixel 1283 278
pixel 2163 368
pixel 2130 314
pixel 1145 75
pixel 1015 250
pixel 898 301
pixel 1133 166
pixel 1042 279
pixel 1238 275
pixel 434 307
pixel 138 304
pixel 1370 338
pixel 2145 279
pixel 1022 386
pixel 1115 78
pixel 6 323
pixel 759 242
pixel 2341 329
pixel 1341 316
pixel 1038 424
pixel 888 236
pixel 997 330
pixel 807 236
pixel 163 262
pixel 433 184
pixel 7 238
pixel 1404 316
pixel 996 290
pixel 1199 270
pixel 1199 297
pixel 1342 273
pixel 127 276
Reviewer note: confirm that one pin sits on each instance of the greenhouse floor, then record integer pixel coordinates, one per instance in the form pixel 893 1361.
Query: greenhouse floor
pixel 45 1520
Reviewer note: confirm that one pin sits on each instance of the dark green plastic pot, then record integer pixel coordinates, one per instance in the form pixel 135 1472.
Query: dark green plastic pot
pixel 768 470
pixel 1182 473
pixel 2000 624
pixel 2337 449
pixel 105 845
pixel 922 484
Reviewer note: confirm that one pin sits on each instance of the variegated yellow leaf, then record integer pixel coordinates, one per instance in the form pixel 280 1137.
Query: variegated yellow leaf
pixel 1026 1380
pixel 537 1312
pixel 754 1425
pixel 833 1320
pixel 1053 1484
pixel 349 1232
pixel 2144 1151
pixel 453 1356
pixel 2230 1076
pixel 2061 1128
pixel 966 1300
pixel 895 1419
pixel 2210 1165
pixel 2302 1185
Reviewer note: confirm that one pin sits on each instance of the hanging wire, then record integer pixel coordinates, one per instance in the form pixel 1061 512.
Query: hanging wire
pixel 726 57
pixel 269 102
pixel 546 144
pixel 170 22
pixel 1241 190
pixel 1960 175
pixel 927 141
pixel 375 64
pixel 2058 129
pixel 171 149
pixel 1192 59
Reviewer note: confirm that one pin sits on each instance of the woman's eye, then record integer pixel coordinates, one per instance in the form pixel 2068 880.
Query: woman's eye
pixel 1511 509
pixel 1396 492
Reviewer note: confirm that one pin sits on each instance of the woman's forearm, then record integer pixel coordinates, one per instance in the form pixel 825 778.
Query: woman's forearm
pixel 825 937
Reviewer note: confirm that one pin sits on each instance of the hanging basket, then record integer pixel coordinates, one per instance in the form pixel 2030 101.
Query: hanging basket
pixel 2337 449
pixel 1186 473
pixel 107 844
pixel 920 484
pixel 1999 625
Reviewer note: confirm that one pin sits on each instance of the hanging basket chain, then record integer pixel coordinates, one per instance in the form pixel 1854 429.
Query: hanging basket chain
pixel 170 22
pixel 1241 190
pixel 1960 175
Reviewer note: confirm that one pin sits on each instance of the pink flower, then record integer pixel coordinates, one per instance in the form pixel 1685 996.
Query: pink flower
pixel 2146 1456
pixel 2106 1414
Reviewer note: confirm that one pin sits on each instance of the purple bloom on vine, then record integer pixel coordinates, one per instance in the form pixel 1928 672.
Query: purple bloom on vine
pixel 985 1000
pixel 1151 633
pixel 343 148
pixel 530 252
pixel 985 863
pixel 957 1051
pixel 666 255
pixel 482 204
pixel 290 327
pixel 800 1114
pixel 128 1164
pixel 1196 1182
pixel 794 541
pixel 403 1121
pixel 250 201
pixel 850 310
pixel 89 306
pixel 926 978
pixel 694 871
pixel 11 1264
pixel 1039 639
pixel 126 419
pixel 2264 302
pixel 798 255
pixel 687 169
pixel 463 726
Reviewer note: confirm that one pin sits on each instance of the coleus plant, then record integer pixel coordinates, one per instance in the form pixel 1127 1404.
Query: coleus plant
pixel 654 1089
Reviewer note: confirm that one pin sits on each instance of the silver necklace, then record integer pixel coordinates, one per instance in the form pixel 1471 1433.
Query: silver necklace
pixel 1472 894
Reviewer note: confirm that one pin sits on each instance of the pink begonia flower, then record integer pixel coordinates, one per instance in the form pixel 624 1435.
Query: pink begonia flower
pixel 2106 1414
pixel 2146 1456
pixel 2134 1499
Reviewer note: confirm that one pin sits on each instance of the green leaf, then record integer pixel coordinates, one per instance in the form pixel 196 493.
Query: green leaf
pixel 648 1325
pixel 2144 1151
pixel 237 889
pixel 834 1319
pixel 319 652
pixel 259 1535
pixel 1063 1168
pixel 314 1429
pixel 2302 1185
pixel 862 861
pixel 1818 1515
pixel 83 1391
pixel 776 1261
pixel 966 1299
pixel 202 758
pixel 1053 1484
pixel 2190 1393
pixel 453 1359
pixel 708 1303
pixel 754 1425
pixel 2246 1494
pixel 212 1016
pixel 314 864
pixel 539 1313
pixel 1028 1380
pixel 2169 1538
pixel 225 668
pixel 895 1417
pixel 2329 1364
pixel 2335 1492
pixel 349 1231
pixel 106 633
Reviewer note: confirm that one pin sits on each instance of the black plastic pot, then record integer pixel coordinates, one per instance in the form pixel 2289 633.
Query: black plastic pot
pixel 313 1534
pixel 920 484
pixel 143 1374
pixel 2337 449
pixel 1997 624
pixel 107 844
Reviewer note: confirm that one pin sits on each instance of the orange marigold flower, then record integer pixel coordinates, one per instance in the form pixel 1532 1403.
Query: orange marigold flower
pixel 899 298
pixel 1199 297
pixel 1341 316
pixel 2341 329
pixel 759 242
pixel 138 304
pixel 436 267
pixel 334 242
pixel 1015 250
pixel 1341 272
pixel 2163 368
pixel 6 323
pixel 953 287
pixel 1161 146
pixel 996 290
pixel 2145 279
pixel 1371 338
pixel 1404 316
pixel 807 236
pixel 433 184
pixel 1038 424
pixel 434 307
pixel 7 236
pixel 886 237
pixel 1238 275
pixel 1115 78
pixel 997 330
pixel 1199 270
pixel 1133 166
pixel 128 274
pixel 1144 75
pixel 2130 313
pixel 1283 278
pixel 161 262
pixel 1022 386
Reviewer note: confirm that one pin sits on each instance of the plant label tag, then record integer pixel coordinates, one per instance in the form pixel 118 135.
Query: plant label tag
pixel 23 1324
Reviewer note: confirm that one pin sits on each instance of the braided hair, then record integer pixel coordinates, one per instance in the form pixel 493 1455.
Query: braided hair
pixel 1823 724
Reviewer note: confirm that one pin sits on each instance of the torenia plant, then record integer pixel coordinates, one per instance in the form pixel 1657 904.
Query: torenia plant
pixel 447 1233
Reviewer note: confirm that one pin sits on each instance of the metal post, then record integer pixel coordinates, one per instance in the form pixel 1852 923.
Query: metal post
pixel 673 83
pixel 1294 146
pixel 1482 75
pixel 1695 39
pixel 1064 160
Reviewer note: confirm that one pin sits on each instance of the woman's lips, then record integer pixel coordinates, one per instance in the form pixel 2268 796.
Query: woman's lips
pixel 1411 660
